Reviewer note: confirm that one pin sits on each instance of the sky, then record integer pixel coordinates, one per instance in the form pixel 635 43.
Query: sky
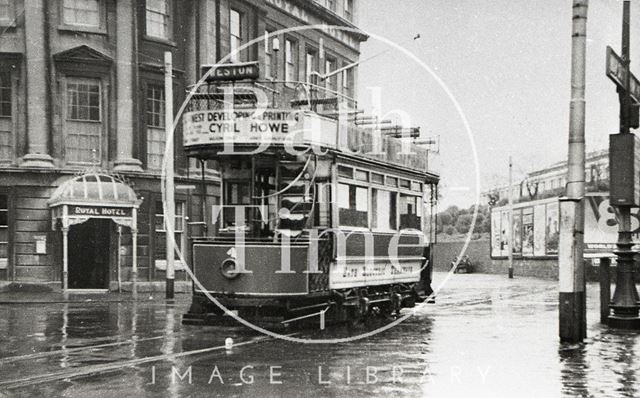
pixel 507 64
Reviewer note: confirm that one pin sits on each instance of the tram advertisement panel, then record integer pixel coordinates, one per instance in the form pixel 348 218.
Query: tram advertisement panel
pixel 527 231
pixel 538 228
pixel 539 234
pixel 257 127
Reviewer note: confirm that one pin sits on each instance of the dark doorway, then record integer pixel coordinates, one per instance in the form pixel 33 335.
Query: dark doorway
pixel 89 250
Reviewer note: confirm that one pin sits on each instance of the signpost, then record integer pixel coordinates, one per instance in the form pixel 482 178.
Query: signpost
pixel 624 177
pixel 617 72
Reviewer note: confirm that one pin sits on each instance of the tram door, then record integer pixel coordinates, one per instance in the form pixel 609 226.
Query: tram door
pixel 89 250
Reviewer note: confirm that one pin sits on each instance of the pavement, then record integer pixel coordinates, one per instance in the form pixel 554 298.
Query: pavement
pixel 486 336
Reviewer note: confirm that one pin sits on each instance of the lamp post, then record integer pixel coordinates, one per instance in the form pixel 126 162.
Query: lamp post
pixel 169 204
pixel 572 298
pixel 623 173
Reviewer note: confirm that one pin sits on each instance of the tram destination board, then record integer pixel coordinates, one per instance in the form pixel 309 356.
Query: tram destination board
pixel 228 72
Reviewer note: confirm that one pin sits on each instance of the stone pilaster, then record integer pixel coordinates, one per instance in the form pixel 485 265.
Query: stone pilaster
pixel 125 88
pixel 37 86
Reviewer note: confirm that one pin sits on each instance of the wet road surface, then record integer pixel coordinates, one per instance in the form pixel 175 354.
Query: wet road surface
pixel 487 336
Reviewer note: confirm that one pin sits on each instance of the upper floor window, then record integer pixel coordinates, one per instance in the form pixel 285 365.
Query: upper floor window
pixel 331 4
pixel 83 121
pixel 235 34
pixel 158 18
pixel 7 12
pixel 155 126
pixel 83 100
pixel 6 122
pixel 331 81
pixel 4 230
pixel 81 12
pixel 348 9
pixel 268 55
pixel 291 56
pixel 5 94
pixel 311 66
pixel 348 81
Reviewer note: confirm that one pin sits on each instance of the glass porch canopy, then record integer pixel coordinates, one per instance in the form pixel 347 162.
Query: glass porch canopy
pixel 93 195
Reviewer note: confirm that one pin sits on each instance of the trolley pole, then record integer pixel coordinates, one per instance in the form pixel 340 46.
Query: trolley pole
pixel 169 204
pixel 572 308
pixel 510 254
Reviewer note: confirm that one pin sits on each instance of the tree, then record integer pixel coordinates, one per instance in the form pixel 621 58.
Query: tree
pixel 463 223
pixel 445 218
pixel 449 230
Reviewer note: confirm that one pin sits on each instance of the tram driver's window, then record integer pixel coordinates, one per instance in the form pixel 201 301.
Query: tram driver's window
pixel 353 203
pixel 236 193
pixel 410 208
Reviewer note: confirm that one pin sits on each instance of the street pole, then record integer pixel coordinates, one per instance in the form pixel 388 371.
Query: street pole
pixel 510 218
pixel 169 211
pixel 572 308
pixel 625 299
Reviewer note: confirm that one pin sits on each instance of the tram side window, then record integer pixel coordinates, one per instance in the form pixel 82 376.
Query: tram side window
pixel 322 214
pixel 384 210
pixel 410 208
pixel 353 203
pixel 236 193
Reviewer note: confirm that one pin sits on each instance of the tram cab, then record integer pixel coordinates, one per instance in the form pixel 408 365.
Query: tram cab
pixel 315 212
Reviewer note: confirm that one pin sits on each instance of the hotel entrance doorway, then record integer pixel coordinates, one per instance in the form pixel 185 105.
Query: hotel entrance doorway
pixel 89 254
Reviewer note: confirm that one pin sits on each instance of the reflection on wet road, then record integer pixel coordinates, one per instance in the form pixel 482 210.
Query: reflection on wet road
pixel 485 336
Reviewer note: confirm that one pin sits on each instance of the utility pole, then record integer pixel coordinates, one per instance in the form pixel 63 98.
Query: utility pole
pixel 169 204
pixel 572 308
pixel 623 152
pixel 510 254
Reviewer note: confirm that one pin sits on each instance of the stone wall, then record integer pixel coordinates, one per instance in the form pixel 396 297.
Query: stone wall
pixel 478 252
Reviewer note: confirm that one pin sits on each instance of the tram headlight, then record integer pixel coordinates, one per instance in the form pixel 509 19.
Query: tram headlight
pixel 228 269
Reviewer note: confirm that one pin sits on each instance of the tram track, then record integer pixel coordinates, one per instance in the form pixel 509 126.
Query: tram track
pixel 119 365
pixel 44 354
pixel 115 366
pixel 486 300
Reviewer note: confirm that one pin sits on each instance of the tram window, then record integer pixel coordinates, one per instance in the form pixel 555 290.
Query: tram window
pixel 404 183
pixel 392 181
pixel 362 175
pixel 410 208
pixel 346 172
pixel 322 215
pixel 353 203
pixel 416 186
pixel 237 193
pixel 384 210
pixel 377 178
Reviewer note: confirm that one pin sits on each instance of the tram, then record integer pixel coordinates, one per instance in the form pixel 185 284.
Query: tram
pixel 321 209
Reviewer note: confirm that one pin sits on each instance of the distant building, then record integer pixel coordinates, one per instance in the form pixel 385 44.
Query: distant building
pixel 551 180
pixel 82 124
